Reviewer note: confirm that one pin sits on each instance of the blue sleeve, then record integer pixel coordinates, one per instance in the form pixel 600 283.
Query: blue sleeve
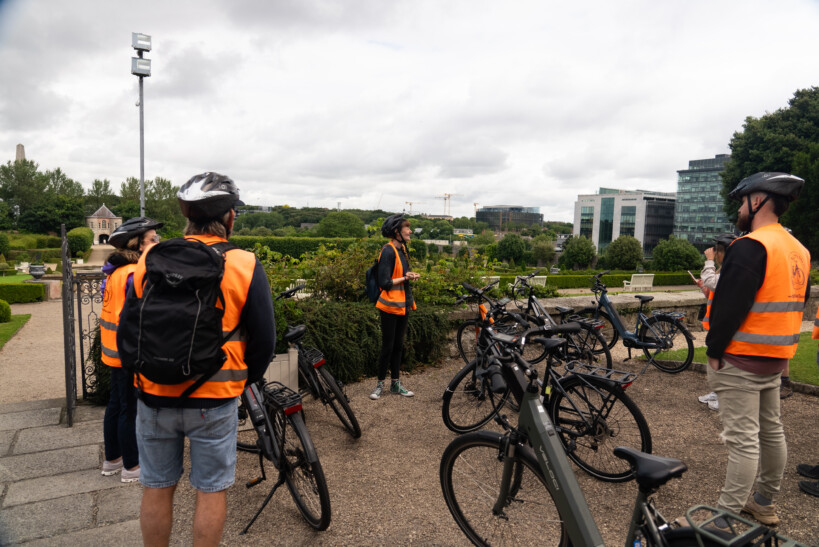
pixel 259 324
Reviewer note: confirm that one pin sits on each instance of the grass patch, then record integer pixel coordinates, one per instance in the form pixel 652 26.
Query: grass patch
pixel 19 278
pixel 803 364
pixel 7 330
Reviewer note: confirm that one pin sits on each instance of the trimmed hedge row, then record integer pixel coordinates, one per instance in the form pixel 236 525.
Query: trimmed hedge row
pixel 17 293
pixel 44 255
pixel 80 240
pixel 615 281
pixel 292 246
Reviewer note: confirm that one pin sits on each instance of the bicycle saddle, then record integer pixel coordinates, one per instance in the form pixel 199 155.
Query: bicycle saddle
pixel 652 471
pixel 563 309
pixel 644 298
pixel 294 334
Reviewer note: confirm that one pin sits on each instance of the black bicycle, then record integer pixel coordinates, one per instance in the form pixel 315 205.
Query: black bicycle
pixel 283 439
pixel 315 376
pixel 588 405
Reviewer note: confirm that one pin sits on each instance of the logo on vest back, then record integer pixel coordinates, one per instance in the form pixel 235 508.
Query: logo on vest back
pixel 798 272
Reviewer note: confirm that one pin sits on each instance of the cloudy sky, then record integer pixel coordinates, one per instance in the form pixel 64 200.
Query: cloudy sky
pixel 373 103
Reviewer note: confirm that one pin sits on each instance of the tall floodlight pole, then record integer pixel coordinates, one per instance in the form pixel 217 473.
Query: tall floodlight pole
pixel 141 68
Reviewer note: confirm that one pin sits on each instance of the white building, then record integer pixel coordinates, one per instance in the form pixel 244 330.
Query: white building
pixel 605 216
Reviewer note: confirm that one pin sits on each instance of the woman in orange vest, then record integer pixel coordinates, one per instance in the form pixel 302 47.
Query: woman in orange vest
pixel 394 302
pixel 131 239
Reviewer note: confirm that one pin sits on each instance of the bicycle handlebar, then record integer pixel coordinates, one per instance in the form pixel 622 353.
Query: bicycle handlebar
pixel 290 292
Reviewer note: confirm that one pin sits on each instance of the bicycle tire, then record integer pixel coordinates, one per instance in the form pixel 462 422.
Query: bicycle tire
pixel 467 339
pixel 533 352
pixel 520 295
pixel 470 472
pixel 337 400
pixel 306 383
pixel 681 340
pixel 588 346
pixel 608 331
pixel 605 418
pixel 468 403
pixel 303 473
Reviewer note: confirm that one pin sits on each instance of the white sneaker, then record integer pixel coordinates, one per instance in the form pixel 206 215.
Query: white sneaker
pixel 111 468
pixel 713 405
pixel 130 476
pixel 704 399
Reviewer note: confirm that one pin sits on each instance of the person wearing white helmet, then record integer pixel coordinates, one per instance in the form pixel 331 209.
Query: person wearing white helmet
pixel 755 321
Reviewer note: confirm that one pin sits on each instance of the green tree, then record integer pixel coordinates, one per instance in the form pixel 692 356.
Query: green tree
pixel 511 248
pixel 162 204
pixel 674 254
pixel 624 253
pixel 543 249
pixel 483 238
pixel 52 211
pixel 100 194
pixel 341 224
pixel 22 184
pixel 772 143
pixel 803 215
pixel 60 184
pixel 578 253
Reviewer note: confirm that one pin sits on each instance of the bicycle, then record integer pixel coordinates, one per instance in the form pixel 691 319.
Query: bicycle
pixel 283 439
pixel 662 337
pixel 315 376
pixel 517 488
pixel 588 345
pixel 588 404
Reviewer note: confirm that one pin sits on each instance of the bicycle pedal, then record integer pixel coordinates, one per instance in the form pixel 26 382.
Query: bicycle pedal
pixel 254 482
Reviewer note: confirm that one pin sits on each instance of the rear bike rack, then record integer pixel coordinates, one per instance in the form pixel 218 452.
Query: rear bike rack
pixel 621 377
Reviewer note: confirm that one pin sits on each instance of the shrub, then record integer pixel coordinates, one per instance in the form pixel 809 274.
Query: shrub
pixel 4 244
pixel 291 246
pixel 5 312
pixel 80 240
pixel 15 293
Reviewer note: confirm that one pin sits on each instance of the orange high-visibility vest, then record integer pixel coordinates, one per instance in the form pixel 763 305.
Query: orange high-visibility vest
pixel 393 300
pixel 706 321
pixel 229 381
pixel 112 303
pixel 771 328
pixel 815 334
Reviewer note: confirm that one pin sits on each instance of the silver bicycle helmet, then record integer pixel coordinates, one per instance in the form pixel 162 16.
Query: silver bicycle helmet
pixel 391 224
pixel 133 227
pixel 781 184
pixel 208 196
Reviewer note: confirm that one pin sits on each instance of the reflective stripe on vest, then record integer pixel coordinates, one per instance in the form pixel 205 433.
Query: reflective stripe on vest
pixel 393 300
pixel 771 328
pixel 229 381
pixel 112 302
pixel 706 321
pixel 815 334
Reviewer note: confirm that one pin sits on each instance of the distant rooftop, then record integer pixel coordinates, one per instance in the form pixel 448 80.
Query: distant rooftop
pixel 103 212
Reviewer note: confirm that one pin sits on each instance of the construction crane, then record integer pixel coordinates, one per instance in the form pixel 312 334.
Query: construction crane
pixel 446 198
pixel 411 203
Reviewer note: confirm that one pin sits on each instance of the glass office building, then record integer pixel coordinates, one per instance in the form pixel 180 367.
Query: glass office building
pixel 500 217
pixel 611 213
pixel 698 215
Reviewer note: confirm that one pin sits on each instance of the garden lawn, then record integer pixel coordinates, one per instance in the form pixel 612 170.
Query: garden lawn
pixel 803 365
pixel 19 278
pixel 7 330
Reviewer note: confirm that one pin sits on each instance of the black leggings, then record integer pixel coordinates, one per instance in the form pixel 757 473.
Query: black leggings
pixel 393 330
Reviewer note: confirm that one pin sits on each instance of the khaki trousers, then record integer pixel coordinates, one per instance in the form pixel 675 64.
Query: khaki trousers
pixel 752 430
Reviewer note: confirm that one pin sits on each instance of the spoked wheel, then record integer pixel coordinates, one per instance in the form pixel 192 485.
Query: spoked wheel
pixel 588 346
pixel 592 418
pixel 533 352
pixel 469 402
pixel 609 333
pixel 678 346
pixel 302 469
pixel 471 472
pixel 335 397
pixel 467 339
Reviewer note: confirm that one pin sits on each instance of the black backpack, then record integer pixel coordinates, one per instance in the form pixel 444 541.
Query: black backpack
pixel 173 333
pixel 371 282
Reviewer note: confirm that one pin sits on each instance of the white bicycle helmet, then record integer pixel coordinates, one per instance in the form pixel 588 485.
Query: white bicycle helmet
pixel 208 196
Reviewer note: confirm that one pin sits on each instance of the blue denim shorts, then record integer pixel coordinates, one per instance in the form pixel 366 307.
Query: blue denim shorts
pixel 161 436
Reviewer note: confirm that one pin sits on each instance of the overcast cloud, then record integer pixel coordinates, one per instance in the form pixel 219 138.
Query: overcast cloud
pixel 375 103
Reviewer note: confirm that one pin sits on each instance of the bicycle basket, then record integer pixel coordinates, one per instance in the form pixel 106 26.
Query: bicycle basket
pixel 282 397
pixel 621 377
pixel 313 356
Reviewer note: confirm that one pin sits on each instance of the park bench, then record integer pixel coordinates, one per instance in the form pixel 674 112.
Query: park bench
pixel 539 280
pixel 639 282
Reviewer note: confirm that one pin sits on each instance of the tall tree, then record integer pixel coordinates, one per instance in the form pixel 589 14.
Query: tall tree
pixel 60 184
pixel 624 253
pixel 22 184
pixel 100 194
pixel 578 253
pixel 674 255
pixel 162 204
pixel 341 224
pixel 803 215
pixel 772 143
pixel 511 248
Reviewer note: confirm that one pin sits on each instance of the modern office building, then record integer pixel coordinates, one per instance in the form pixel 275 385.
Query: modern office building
pixel 611 213
pixel 698 215
pixel 499 216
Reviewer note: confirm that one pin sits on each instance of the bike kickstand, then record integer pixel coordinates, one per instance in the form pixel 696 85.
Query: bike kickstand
pixel 264 504
pixel 629 355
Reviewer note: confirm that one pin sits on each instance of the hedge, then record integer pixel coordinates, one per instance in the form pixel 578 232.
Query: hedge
pixel 80 240
pixel 292 246
pixel 16 293
pixel 5 311
pixel 35 255
pixel 615 281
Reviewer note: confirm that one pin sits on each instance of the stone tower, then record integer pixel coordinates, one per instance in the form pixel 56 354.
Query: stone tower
pixel 21 153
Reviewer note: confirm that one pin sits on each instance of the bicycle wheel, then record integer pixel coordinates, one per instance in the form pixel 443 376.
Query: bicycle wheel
pixel 337 400
pixel 593 417
pixel 306 382
pixel 468 402
pixel 302 470
pixel 610 334
pixel 679 347
pixel 467 339
pixel 471 471
pixel 588 346
pixel 533 352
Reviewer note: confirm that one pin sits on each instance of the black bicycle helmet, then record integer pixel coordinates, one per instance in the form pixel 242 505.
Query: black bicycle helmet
pixel 131 228
pixel 208 196
pixel 391 224
pixel 725 239
pixel 781 184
